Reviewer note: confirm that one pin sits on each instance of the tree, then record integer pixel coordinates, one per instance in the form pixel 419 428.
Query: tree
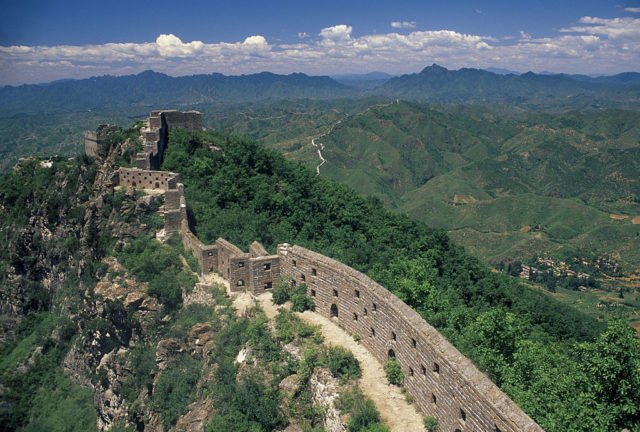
pixel 612 364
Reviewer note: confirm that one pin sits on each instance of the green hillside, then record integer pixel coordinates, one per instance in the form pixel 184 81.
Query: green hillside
pixel 506 186
pixel 524 339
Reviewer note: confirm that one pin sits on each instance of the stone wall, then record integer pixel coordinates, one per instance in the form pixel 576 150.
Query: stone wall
pixel 154 136
pixel 443 382
pixel 148 179
pixel 232 264
pixel 190 120
pixel 264 272
pixel 257 250
pixel 94 139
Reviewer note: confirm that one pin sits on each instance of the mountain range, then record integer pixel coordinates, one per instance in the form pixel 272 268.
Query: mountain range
pixel 432 84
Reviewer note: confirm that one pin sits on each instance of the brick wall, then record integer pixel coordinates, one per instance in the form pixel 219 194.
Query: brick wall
pixel 225 251
pixel 191 120
pixel 443 382
pixel 148 179
pixel 264 272
pixel 90 143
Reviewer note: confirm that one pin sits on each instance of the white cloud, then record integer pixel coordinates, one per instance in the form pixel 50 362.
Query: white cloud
pixel 336 34
pixel 613 28
pixel 596 45
pixel 634 10
pixel 403 24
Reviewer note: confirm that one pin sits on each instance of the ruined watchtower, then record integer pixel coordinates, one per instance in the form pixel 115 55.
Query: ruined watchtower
pixel 155 134
pixel 93 139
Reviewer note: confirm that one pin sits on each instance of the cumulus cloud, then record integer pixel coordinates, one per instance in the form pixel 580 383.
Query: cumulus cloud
pixel 336 34
pixel 169 45
pixel 403 24
pixel 595 45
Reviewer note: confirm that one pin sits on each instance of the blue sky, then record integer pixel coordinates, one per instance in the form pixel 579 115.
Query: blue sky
pixel 42 41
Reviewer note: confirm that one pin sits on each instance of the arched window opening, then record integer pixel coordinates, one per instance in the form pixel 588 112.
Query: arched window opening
pixel 334 311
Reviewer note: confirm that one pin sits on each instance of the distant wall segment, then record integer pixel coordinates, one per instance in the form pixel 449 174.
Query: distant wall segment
pixel 443 382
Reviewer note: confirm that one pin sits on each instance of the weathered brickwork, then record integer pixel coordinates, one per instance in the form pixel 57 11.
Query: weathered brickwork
pixel 154 136
pixel 264 272
pixel 94 139
pixel 443 382
pixel 148 179
pixel 257 250
pixel 173 220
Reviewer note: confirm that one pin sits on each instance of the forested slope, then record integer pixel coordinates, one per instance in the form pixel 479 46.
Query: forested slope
pixel 548 357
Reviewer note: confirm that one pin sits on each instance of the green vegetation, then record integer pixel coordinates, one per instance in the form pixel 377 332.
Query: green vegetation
pixel 394 372
pixel 159 265
pixel 363 414
pixel 497 321
pixel 41 396
pixel 175 390
pixel 285 291
pixel 431 424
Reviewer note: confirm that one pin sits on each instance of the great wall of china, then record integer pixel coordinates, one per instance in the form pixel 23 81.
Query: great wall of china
pixel 444 383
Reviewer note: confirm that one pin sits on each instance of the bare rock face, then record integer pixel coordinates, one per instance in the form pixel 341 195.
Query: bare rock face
pixel 166 350
pixel 201 337
pixel 324 389
pixel 111 406
pixel 199 413
pixel 201 294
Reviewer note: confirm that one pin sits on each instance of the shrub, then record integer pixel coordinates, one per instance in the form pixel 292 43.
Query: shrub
pixel 280 294
pixel 394 372
pixel 431 424
pixel 300 302
pixel 364 416
pixel 343 364
pixel 166 289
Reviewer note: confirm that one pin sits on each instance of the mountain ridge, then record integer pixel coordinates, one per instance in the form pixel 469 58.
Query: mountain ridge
pixel 432 84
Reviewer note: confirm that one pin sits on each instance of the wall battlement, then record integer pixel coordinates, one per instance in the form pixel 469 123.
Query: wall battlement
pixel 443 382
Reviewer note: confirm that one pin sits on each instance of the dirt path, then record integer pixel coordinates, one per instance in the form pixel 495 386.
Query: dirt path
pixel 399 415
pixel 322 159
